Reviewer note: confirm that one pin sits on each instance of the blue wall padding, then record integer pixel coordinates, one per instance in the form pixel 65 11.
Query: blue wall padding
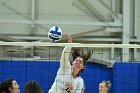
pixel 124 76
pixel 138 78
pixel 94 74
pixel 23 71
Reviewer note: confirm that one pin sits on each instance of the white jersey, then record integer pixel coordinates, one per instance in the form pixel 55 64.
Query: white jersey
pixel 64 75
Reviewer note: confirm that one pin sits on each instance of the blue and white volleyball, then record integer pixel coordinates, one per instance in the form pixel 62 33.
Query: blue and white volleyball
pixel 55 33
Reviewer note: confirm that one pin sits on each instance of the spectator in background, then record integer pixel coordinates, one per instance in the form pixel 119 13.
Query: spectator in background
pixel 32 87
pixel 9 86
pixel 104 86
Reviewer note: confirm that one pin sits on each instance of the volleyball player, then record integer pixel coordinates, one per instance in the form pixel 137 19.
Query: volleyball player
pixel 104 86
pixel 9 86
pixel 68 78
pixel 32 87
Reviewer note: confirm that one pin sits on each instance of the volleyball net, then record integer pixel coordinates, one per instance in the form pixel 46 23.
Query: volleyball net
pixel 45 50
pixel 39 61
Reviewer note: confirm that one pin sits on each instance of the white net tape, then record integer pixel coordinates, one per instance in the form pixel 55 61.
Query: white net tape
pixel 71 44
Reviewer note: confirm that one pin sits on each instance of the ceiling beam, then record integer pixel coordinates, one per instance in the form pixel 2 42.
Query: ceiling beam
pixel 79 23
pixel 33 12
pixel 45 38
pixel 7 38
pixel 107 7
pixel 93 10
pixel 30 37
pixel 15 21
pixel 58 22
pixel 79 39
pixel 99 39
pixel 87 32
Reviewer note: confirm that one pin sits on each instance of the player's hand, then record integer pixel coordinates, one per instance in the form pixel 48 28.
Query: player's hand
pixel 69 85
pixel 69 38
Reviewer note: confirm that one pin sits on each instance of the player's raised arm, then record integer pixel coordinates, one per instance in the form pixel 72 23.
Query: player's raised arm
pixel 64 61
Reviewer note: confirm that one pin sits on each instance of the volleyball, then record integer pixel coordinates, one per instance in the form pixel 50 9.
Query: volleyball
pixel 55 33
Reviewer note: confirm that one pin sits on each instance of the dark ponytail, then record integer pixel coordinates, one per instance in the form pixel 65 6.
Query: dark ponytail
pixel 79 52
pixel 0 88
pixel 33 87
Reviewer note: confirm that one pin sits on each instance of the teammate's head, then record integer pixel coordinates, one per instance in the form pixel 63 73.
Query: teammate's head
pixel 32 87
pixel 80 58
pixel 9 86
pixel 104 86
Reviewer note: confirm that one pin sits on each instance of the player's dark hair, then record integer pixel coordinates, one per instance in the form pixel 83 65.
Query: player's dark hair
pixel 79 52
pixel 5 85
pixel 32 87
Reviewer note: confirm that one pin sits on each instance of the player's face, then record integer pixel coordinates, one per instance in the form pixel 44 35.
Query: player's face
pixel 15 87
pixel 78 63
pixel 103 88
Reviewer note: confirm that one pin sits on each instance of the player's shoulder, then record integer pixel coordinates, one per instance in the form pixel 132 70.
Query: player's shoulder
pixel 80 78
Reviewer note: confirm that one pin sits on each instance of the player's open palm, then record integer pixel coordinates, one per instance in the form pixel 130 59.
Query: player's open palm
pixel 69 38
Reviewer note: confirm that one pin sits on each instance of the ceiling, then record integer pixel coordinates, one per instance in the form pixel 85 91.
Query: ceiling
pixel 88 21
